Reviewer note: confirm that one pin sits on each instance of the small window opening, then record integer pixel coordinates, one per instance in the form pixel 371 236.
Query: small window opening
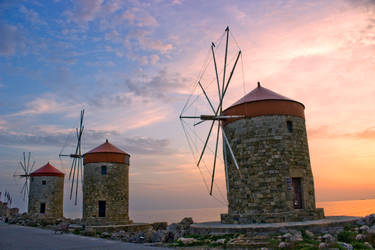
pixel 44 182
pixel 289 124
pixel 42 208
pixel 104 170
pixel 101 208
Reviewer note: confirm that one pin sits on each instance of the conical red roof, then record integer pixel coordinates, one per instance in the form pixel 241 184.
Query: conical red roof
pixel 47 170
pixel 107 148
pixel 260 94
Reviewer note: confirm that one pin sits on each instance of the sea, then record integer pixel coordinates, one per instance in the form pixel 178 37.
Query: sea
pixel 331 208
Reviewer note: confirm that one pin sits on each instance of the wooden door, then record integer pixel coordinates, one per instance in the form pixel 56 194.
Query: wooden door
pixel 297 193
pixel 42 208
pixel 101 208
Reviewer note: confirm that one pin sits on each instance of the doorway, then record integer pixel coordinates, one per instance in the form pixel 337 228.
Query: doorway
pixel 297 193
pixel 101 208
pixel 42 208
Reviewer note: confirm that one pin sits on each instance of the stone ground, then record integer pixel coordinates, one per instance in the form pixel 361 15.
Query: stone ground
pixel 13 237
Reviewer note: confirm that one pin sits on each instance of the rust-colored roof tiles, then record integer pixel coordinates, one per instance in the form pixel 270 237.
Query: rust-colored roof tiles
pixel 107 148
pixel 260 94
pixel 47 170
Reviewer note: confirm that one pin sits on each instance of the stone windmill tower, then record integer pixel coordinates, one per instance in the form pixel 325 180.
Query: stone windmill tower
pixel 46 193
pixel 106 186
pixel 274 182
pixel 266 155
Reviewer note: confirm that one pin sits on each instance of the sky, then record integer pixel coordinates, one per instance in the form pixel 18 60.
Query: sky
pixel 133 64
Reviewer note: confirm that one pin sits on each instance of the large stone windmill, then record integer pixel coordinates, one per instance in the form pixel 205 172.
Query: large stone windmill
pixel 265 153
pixel 275 181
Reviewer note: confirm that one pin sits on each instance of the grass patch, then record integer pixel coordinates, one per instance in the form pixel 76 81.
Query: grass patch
pixel 360 245
pixel 346 236
pixel 274 244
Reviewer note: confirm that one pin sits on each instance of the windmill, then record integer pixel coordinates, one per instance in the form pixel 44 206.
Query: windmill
pixel 75 172
pixel 7 198
pixel 216 117
pixel 27 169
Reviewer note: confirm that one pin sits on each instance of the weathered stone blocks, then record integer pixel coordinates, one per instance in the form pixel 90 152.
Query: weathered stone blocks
pixel 48 190
pixel 113 188
pixel 271 156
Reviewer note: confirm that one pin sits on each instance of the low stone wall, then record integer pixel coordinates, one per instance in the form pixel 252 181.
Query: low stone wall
pixel 136 227
pixel 294 215
pixel 330 223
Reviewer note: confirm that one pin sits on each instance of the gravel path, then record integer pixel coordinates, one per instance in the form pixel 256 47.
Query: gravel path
pixel 14 237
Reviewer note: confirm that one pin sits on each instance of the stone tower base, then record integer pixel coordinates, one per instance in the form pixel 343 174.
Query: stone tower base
pixel 295 215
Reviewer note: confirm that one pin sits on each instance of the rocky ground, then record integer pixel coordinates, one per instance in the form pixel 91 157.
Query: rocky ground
pixel 357 235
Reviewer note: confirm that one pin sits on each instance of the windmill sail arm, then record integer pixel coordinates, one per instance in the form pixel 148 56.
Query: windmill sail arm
pixel 226 165
pixel 72 155
pixel 217 75
pixel 213 170
pixel 205 144
pixel 230 77
pixel 208 99
pixel 230 149
pixel 213 117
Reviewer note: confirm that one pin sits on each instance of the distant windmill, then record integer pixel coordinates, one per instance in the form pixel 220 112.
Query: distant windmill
pixel 7 198
pixel 216 117
pixel 75 172
pixel 27 169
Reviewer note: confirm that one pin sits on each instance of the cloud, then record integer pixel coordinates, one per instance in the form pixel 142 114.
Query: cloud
pixel 143 60
pixel 47 104
pixel 326 131
pixel 139 17
pixel 141 39
pixel 147 146
pixel 11 39
pixel 3 124
pixel 91 139
pixel 366 3
pixel 159 86
pixel 31 16
pixel 157 45
pixel 177 2
pixel 52 137
pixel 154 59
pixel 85 10
pixel 368 134
pixel 111 6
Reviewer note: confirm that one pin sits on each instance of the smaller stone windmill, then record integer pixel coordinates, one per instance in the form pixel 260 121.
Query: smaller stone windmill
pixel 106 186
pixel 46 192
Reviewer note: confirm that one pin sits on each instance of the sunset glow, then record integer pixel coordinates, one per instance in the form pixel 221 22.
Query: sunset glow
pixel 132 64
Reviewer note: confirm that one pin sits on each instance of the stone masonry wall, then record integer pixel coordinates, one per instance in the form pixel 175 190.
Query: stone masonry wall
pixel 268 156
pixel 52 194
pixel 112 188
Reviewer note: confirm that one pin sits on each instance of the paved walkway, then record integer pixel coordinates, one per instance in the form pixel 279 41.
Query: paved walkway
pixel 14 237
